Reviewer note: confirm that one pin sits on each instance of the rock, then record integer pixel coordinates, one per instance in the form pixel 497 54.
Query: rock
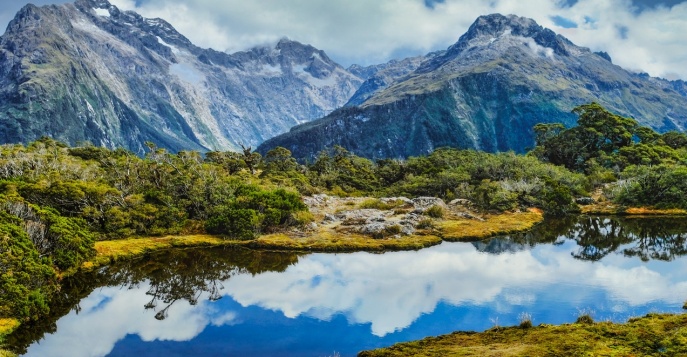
pixel 405 200
pixel 584 200
pixel 421 204
pixel 461 202
pixel 316 200
pixel 329 218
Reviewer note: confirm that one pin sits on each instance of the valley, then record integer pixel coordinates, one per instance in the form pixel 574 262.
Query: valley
pixel 269 201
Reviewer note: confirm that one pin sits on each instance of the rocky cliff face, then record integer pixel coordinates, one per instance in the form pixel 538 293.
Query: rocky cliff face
pixel 90 72
pixel 486 92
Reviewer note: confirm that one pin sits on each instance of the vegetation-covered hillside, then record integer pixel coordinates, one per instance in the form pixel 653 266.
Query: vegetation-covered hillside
pixel 56 201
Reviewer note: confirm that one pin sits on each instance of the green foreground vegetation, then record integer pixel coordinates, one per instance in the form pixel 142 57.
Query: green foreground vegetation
pixel 67 208
pixel 651 335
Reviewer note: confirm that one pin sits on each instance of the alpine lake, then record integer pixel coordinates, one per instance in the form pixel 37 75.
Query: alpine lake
pixel 240 302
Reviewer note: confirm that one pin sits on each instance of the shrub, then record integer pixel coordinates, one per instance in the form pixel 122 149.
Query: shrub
pixel 435 212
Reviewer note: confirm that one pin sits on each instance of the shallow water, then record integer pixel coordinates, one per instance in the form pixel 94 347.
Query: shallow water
pixel 237 302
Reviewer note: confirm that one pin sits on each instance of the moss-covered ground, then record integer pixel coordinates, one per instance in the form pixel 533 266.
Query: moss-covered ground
pixel 652 335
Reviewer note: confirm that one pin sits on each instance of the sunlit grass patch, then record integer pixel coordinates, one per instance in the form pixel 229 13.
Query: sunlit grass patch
pixel 113 250
pixel 654 211
pixel 652 335
pixel 457 229
pixel 327 241
pixel 612 209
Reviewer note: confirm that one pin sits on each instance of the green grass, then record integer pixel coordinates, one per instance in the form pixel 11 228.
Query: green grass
pixel 652 335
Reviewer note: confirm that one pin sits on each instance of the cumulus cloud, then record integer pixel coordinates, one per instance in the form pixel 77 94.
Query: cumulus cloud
pixel 638 37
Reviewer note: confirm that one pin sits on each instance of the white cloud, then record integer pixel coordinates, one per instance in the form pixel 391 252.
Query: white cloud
pixel 368 32
pixel 388 291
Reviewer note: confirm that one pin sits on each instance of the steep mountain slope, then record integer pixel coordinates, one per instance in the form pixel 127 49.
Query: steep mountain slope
pixel 90 72
pixel 380 76
pixel 486 92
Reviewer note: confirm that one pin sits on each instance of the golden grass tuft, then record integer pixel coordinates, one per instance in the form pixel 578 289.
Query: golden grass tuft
pixel 458 229
pixel 114 250
pixel 612 209
pixel 327 241
pixel 652 335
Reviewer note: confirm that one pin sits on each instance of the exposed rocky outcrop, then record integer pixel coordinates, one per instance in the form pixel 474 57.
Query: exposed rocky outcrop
pixel 405 218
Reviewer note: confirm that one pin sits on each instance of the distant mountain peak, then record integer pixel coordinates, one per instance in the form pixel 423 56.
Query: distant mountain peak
pixel 489 28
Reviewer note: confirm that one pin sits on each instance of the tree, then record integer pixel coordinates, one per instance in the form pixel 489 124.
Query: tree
pixel 279 159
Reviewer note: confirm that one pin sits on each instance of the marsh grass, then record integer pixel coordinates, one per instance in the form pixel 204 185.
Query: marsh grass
pixel 114 250
pixel 457 229
pixel 604 208
pixel 651 335
pixel 326 241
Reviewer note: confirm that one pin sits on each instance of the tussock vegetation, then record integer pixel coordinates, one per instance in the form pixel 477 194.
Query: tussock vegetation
pixel 457 229
pixel 651 335
pixel 335 242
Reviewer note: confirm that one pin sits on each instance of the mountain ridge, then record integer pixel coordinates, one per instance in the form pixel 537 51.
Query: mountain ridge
pixel 486 92
pixel 89 72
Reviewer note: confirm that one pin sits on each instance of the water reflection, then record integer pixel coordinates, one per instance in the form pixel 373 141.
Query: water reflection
pixel 658 238
pixel 224 302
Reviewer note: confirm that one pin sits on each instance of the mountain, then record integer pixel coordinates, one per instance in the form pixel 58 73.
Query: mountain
pixel 486 92
pixel 380 76
pixel 89 72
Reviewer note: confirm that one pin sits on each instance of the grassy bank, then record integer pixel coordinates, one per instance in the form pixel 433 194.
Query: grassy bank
pixel 463 229
pixel 122 249
pixel 652 335
pixel 336 242
pixel 613 209
pixel 326 239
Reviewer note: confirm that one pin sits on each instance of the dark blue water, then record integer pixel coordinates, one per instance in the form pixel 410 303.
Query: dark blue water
pixel 211 303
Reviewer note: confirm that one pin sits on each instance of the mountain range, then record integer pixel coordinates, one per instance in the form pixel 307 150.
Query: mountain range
pixel 88 72
pixel 486 92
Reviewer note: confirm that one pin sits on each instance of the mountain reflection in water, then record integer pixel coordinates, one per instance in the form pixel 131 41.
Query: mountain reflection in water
pixel 243 302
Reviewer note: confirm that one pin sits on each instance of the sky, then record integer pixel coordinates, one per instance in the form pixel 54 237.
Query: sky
pixel 640 35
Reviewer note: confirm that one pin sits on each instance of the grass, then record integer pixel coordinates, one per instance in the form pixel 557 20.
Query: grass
pixel 651 335
pixel 114 250
pixel 325 241
pixel 612 209
pixel 463 229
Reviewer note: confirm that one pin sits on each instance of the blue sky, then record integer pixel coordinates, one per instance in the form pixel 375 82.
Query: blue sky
pixel 640 35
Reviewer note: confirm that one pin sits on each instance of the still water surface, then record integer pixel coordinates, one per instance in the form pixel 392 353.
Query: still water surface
pixel 237 302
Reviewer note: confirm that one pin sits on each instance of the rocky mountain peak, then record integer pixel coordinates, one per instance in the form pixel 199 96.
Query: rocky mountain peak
pixel 495 35
pixel 490 28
